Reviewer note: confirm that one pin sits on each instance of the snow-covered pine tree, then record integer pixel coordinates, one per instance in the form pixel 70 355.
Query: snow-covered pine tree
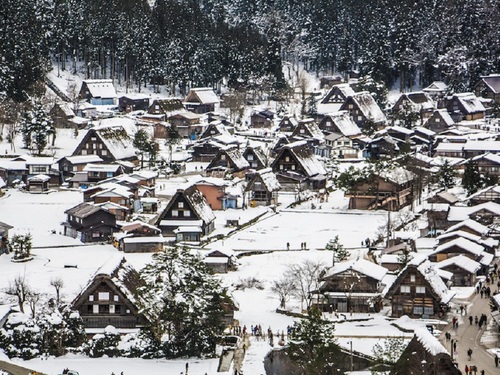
pixel 183 302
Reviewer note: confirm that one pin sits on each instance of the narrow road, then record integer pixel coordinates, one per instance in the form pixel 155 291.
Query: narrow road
pixel 15 370
pixel 469 336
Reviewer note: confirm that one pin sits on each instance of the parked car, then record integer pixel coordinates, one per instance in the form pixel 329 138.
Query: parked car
pixel 231 342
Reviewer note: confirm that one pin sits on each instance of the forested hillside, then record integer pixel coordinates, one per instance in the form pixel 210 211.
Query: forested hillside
pixel 199 42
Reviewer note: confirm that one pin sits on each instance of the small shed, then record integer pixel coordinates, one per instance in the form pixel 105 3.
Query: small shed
pixel 38 183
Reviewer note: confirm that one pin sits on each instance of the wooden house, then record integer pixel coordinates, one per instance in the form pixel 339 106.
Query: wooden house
pixel 307 128
pixel 278 144
pixel 201 100
pixel 165 106
pixel 489 87
pixel 37 165
pixel 64 117
pixel 133 102
pixel 262 189
pixel 436 90
pixel 353 286
pixel 12 171
pixel 205 150
pixel 329 81
pixel 488 164
pixel 489 194
pixel 261 119
pixel 214 191
pixel 110 297
pixel 478 148
pixel 214 129
pixel 228 161
pixel 485 213
pixel 338 94
pixel 187 216
pixel 462 268
pixel 339 122
pixel 418 102
pixel 465 106
pixel 425 355
pixel 89 223
pixel 69 165
pixel 297 166
pixel 419 292
pixel 391 190
pixel 439 121
pixel 110 143
pixel 363 110
pixel 187 124
pixel 118 195
pixel 220 260
pixel 470 226
pixel 340 147
pixel 4 237
pixel 139 237
pixel 455 247
pixel 100 172
pixel 287 124
pixel 98 91
pixel 38 183
pixel 255 157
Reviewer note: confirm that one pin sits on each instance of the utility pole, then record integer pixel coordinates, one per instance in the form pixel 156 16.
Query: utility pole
pixel 352 365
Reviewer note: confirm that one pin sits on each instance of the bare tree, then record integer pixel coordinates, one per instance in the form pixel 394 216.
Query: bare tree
pixel 33 298
pixel 284 288
pixel 58 284
pixel 20 289
pixel 307 276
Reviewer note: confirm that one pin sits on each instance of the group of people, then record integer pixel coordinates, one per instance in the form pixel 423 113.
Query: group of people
pixel 472 369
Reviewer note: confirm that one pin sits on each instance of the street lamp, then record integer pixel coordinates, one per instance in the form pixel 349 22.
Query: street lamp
pixel 352 367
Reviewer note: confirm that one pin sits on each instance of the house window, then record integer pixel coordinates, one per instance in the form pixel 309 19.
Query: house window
pixel 104 152
pixel 84 152
pixel 360 118
pixel 405 289
pixel 103 309
pixel 418 310
pixel 118 309
pixel 91 298
pixel 281 166
pixel 87 145
pixel 351 106
pixel 93 139
pixel 437 119
pixel 94 146
pixel 115 298
pixel 109 174
pixel 420 289
pixel 111 309
pixel 428 311
pixel 302 131
pixel 412 278
pixel 223 157
pixel 287 158
pixel 100 146
pixel 157 106
pixel 181 205
pixel 95 309
pixel 103 296
pixel 187 213
pixel 175 213
pixel 293 167
pixel 249 157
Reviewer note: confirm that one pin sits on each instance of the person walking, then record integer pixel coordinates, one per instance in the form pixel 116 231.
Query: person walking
pixel 471 319
pixel 496 360
pixel 469 353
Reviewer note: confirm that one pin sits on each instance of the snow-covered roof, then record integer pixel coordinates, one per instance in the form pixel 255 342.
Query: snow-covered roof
pixel 369 107
pixel 83 159
pixel 39 178
pixel 458 213
pixel 101 167
pixel 429 342
pixel 461 261
pixel 269 179
pixel 117 140
pixel 306 158
pixel 462 243
pixel 445 116
pixel 472 224
pixel 147 239
pixel 436 86
pixel 398 175
pixel 361 265
pixel 13 165
pixel 490 146
pixel 490 242
pixel 429 272
pixel 101 88
pixel 486 258
pixel 470 102
pixel 344 123
pixel 493 82
pixel 82 210
pixel 204 95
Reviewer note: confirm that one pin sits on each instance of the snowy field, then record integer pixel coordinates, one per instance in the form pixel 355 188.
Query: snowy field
pixel 41 215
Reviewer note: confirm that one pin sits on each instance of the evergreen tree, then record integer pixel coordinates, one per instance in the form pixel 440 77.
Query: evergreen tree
pixel 312 109
pixel 471 180
pixel 36 126
pixel 313 346
pixel 184 303
pixel 445 177
pixel 339 252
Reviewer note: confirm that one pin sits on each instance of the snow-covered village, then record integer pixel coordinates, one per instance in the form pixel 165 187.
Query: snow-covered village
pixel 249 187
